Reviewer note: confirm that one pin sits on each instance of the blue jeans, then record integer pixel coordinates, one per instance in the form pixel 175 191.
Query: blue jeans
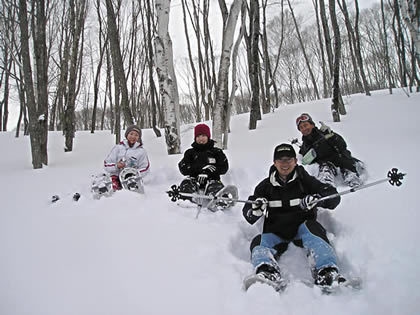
pixel 319 250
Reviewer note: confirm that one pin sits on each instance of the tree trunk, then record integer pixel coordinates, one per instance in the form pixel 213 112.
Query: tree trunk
pixel 37 107
pixel 308 64
pixel 117 62
pixel 335 106
pixel 167 79
pixel 254 63
pixel 219 120
pixel 77 20
pixel 358 51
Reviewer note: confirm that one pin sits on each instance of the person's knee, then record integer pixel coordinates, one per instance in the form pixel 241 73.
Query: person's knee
pixel 315 228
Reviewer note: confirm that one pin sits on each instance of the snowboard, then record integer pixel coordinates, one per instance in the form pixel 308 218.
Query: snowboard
pixel 250 280
pixel 224 199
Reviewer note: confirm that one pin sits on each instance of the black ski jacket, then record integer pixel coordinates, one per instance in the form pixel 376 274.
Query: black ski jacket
pixel 329 147
pixel 284 214
pixel 201 155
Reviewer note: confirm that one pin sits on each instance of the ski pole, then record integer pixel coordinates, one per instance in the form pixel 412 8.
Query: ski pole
pixel 295 141
pixel 175 194
pixel 393 177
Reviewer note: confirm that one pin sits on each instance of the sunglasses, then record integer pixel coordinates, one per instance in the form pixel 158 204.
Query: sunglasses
pixel 302 118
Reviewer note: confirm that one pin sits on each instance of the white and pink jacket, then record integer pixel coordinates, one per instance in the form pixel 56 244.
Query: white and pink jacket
pixel 135 156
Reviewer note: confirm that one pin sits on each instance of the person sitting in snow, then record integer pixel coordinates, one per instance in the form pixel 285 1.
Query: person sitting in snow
pixel 203 164
pixel 128 153
pixel 285 199
pixel 329 150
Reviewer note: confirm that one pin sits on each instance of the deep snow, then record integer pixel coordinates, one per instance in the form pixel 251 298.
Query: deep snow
pixel 143 254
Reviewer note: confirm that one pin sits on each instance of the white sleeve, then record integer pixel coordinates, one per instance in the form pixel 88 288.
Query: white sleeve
pixel 143 164
pixel 110 163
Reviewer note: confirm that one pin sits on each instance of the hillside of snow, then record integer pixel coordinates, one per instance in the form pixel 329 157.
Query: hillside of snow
pixel 137 254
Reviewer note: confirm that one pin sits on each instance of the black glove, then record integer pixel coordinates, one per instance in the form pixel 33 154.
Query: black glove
pixel 259 207
pixel 202 178
pixel 208 169
pixel 308 202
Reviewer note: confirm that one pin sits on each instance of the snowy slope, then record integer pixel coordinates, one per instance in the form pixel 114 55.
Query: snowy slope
pixel 143 254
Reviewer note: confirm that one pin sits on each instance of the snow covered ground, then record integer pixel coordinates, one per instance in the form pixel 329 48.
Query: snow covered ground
pixel 143 254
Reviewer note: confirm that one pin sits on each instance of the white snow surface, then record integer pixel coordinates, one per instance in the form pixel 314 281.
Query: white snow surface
pixel 143 254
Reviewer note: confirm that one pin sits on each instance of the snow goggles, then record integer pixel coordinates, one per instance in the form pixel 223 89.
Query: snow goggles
pixel 303 118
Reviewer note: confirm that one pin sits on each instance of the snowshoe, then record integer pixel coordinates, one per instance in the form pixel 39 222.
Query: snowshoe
pixel 224 198
pixel 351 179
pixel 327 173
pixel 101 185
pixel 329 280
pixel 267 275
pixel 130 179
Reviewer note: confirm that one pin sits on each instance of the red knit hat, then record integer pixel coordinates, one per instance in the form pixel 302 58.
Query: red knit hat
pixel 201 129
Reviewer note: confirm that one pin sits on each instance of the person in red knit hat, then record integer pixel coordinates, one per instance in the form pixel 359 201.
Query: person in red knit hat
pixel 203 163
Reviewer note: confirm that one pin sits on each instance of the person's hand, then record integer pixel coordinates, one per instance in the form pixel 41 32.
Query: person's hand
pixel 259 206
pixel 324 128
pixel 308 202
pixel 120 164
pixel 202 178
pixel 209 169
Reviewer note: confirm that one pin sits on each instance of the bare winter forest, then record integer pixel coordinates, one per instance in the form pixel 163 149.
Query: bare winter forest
pixel 103 64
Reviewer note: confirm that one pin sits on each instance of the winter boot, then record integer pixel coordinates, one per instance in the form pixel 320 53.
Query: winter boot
pixel 269 273
pixel 328 276
pixel 327 172
pixel 351 179
pixel 188 185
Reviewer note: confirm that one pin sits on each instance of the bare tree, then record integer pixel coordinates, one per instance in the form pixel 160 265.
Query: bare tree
pixel 336 97
pixel 167 79
pixel 37 105
pixel 219 115
pixel 97 74
pixel 252 41
pixel 117 64
pixel 77 21
pixel 307 61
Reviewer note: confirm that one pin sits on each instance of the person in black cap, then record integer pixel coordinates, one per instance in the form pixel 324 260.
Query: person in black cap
pixel 329 150
pixel 128 153
pixel 286 200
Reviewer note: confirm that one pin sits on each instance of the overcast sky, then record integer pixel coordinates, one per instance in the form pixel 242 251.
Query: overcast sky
pixel 176 28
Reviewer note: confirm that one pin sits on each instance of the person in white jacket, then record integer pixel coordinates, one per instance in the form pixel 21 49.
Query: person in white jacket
pixel 128 153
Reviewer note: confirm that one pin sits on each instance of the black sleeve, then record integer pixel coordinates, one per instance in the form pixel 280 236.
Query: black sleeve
pixel 187 166
pixel 222 164
pixel 247 209
pixel 315 187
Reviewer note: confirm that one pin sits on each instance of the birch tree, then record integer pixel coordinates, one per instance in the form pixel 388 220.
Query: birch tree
pixel 220 126
pixel 167 79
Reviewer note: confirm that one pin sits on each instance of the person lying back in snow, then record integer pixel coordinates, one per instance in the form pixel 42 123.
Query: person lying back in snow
pixel 329 150
pixel 128 153
pixel 285 202
pixel 203 163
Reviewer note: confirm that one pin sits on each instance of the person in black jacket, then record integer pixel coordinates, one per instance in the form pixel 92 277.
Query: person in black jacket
pixel 203 164
pixel 286 200
pixel 329 150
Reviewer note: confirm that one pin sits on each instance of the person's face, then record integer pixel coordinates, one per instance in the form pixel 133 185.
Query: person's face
pixel 306 128
pixel 133 137
pixel 285 166
pixel 201 139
